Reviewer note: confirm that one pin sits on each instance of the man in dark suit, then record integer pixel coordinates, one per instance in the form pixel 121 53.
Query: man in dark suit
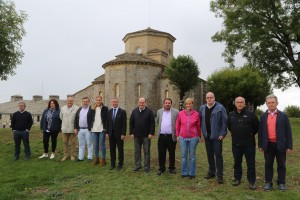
pixel 116 131
pixel 275 140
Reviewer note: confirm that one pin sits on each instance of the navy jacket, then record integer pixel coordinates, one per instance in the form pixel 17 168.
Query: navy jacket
pixel 283 132
pixel 56 122
pixel 119 126
pixel 142 123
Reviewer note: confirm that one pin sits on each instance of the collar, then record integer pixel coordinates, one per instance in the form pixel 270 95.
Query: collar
pixel 273 113
pixel 211 106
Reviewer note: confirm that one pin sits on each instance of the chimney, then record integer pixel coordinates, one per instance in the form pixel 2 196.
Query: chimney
pixel 15 98
pixel 37 97
pixel 54 97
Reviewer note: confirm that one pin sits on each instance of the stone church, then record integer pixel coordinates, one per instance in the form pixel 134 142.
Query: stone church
pixel 139 72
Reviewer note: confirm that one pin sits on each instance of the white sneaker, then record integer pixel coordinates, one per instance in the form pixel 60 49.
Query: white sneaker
pixel 44 155
pixel 52 156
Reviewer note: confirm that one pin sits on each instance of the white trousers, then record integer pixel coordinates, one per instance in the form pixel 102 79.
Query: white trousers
pixel 85 138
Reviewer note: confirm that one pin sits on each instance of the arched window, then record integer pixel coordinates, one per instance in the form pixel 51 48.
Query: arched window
pixel 100 94
pixel 167 94
pixel 117 90
pixel 139 89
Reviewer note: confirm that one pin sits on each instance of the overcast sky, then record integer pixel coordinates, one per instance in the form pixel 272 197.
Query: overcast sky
pixel 68 41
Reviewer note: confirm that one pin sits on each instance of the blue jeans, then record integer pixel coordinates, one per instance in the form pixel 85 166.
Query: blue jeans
pixel 99 139
pixel 188 156
pixel 18 137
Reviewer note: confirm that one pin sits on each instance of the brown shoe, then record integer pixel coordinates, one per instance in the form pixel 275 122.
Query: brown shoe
pixel 103 162
pixel 72 158
pixel 96 161
pixel 64 158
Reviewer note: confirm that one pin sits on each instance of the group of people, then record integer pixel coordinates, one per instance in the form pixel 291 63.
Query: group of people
pixel 93 124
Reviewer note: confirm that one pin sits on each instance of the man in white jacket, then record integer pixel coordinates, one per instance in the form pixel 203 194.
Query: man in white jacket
pixel 67 116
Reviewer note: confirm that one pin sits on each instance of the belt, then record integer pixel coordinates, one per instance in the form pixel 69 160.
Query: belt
pixel 165 134
pixel 83 127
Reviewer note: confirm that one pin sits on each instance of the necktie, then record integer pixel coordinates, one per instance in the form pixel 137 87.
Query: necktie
pixel 114 115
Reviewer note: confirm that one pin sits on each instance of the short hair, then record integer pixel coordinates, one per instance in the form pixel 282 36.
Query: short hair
pixel 86 98
pixel 189 100
pixel 99 97
pixel 55 102
pixel 116 98
pixel 272 96
pixel 143 98
pixel 167 99
pixel 22 102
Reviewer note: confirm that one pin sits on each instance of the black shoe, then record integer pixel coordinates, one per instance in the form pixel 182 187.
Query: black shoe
pixel 192 176
pixel 16 158
pixel 112 168
pixel 281 187
pixel 268 187
pixel 137 169
pixel 209 175
pixel 184 176
pixel 236 182
pixel 220 180
pixel 78 160
pixel 159 173
pixel 172 171
pixel 90 160
pixel 252 186
pixel 119 168
pixel 147 170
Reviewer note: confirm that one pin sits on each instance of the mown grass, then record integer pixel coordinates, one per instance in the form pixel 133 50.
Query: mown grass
pixel 52 179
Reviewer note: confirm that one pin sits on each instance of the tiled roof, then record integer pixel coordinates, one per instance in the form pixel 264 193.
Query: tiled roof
pixel 132 58
pixel 149 31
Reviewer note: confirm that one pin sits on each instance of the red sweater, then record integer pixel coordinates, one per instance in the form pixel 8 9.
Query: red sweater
pixel 272 126
pixel 188 125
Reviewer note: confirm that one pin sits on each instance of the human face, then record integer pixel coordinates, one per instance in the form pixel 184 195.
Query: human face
pixel 210 98
pixel 85 103
pixel 271 104
pixel 98 101
pixel 167 104
pixel 240 103
pixel 141 103
pixel 189 105
pixel 115 103
pixel 70 102
pixel 21 107
pixel 52 105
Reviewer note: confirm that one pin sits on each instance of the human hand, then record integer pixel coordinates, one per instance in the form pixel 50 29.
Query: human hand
pixel 220 137
pixel 122 137
pixel 150 136
pixel 132 136
pixel 289 151
pixel 107 136
pixel 260 149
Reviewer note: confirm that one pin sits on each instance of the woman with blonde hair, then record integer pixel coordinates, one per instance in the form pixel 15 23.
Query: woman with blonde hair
pixel 98 122
pixel 188 135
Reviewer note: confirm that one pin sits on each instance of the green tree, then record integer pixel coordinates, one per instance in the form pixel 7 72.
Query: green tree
pixel 266 32
pixel 229 83
pixel 292 111
pixel 11 34
pixel 183 72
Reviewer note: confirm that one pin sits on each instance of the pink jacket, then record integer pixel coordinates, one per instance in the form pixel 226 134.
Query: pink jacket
pixel 188 125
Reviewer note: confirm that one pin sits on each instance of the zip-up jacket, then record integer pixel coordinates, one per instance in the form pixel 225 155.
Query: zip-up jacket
pixel 188 124
pixel 243 127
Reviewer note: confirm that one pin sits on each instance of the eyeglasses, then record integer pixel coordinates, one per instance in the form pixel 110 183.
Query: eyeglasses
pixel 209 97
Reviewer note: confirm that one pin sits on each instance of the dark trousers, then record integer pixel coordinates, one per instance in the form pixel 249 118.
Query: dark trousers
pixel 138 143
pixel 214 156
pixel 165 143
pixel 18 137
pixel 270 154
pixel 46 137
pixel 249 152
pixel 116 142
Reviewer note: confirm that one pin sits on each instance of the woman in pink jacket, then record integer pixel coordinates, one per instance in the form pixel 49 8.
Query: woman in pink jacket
pixel 188 135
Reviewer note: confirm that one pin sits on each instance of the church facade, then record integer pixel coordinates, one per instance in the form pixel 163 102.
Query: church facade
pixel 139 72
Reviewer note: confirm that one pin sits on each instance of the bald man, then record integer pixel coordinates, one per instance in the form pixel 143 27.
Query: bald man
pixel 243 126
pixel 142 127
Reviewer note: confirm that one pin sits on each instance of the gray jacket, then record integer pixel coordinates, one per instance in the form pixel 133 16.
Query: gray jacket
pixel 67 117
pixel 174 114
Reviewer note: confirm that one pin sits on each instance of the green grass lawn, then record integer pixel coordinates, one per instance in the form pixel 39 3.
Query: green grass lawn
pixel 52 179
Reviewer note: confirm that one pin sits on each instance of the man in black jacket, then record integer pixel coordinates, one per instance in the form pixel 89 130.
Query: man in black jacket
pixel 243 126
pixel 21 123
pixel 142 127
pixel 116 132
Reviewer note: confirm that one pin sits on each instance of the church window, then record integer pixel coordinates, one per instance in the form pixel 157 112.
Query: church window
pixel 100 94
pixel 139 88
pixel 117 90
pixel 38 118
pixel 167 94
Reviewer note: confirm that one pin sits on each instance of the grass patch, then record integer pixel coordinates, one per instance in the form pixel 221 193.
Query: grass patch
pixel 52 179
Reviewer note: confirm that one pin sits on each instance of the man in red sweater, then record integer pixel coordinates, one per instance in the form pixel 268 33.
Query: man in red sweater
pixel 275 140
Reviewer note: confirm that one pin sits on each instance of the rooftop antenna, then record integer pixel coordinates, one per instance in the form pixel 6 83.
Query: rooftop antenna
pixel 42 88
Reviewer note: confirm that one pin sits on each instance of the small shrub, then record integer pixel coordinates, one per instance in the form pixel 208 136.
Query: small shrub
pixel 259 112
pixel 292 111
